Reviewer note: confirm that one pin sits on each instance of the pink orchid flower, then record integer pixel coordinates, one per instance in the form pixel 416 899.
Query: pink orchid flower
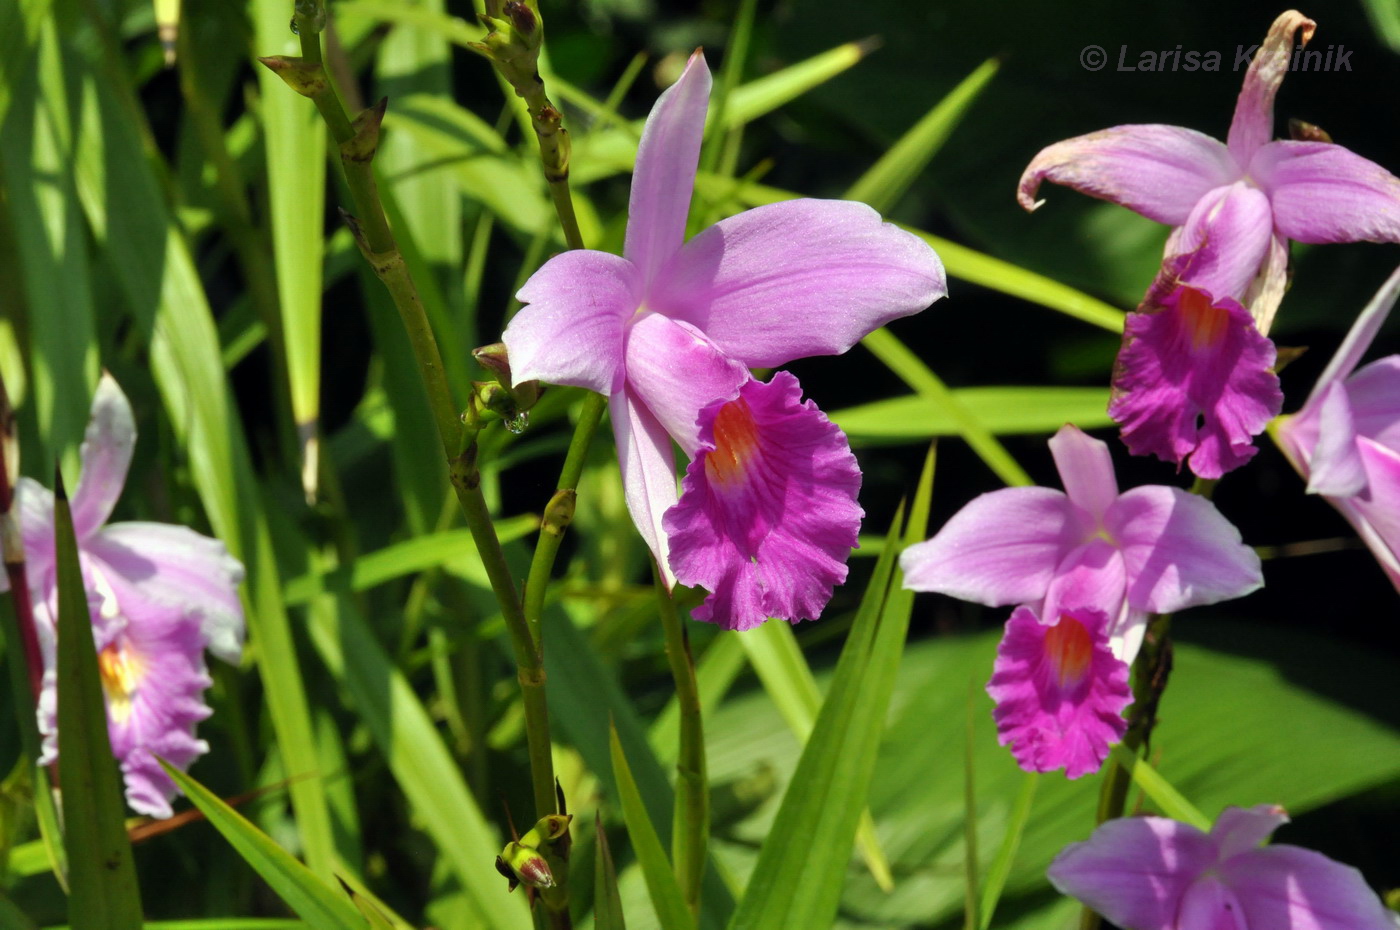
pixel 160 595
pixel 1151 873
pixel 1088 565
pixel 1346 438
pixel 668 332
pixel 1257 193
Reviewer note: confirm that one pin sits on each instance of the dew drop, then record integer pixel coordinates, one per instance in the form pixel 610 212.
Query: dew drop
pixel 293 26
pixel 517 423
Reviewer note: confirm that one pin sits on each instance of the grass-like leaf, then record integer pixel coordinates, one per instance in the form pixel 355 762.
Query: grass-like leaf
pixel 1002 410
pixel 1172 802
pixel 665 893
pixel 766 94
pixel 103 894
pixel 1006 852
pixel 315 901
pixel 607 905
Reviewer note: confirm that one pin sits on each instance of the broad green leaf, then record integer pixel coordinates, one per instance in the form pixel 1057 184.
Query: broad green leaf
pixel 1002 410
pixel 661 881
pixel 223 923
pixel 607 906
pixel 413 748
pixel 798 878
pixel 889 178
pixel 1385 18
pixel 320 905
pixel 155 275
pixel 19 33
pixel 294 147
pixel 103 894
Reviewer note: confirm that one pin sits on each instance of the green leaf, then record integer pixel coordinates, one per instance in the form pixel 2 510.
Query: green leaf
pixel 798 878
pixel 103 894
pixel 768 93
pixel 656 868
pixel 221 923
pixel 1170 801
pixel 1002 410
pixel 316 902
pixel 889 178
pixel 1006 852
pixel 607 905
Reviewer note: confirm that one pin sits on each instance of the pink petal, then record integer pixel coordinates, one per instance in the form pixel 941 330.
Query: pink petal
pixel 1134 870
pixel 106 455
pixel 676 372
pixel 664 176
pixel 1225 241
pixel 1374 393
pixel 1093 576
pixel 648 472
pixel 1335 464
pixel 1242 829
pixel 34 505
pixel 1194 378
pixel 174 568
pixel 1209 904
pixel 1266 293
pixel 768 512
pixel 1359 338
pixel 1285 886
pixel 1158 171
pixel 570 331
pixel 1325 193
pixel 1002 548
pixel 1179 550
pixel 1086 470
pixel 1060 692
pixel 1376 516
pixel 1253 124
pixel 797 278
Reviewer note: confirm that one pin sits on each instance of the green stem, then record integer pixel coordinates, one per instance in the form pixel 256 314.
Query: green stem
pixel 691 821
pixel 357 141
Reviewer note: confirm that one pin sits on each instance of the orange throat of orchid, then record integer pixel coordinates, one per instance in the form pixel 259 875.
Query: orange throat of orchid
pixel 121 671
pixel 1070 649
pixel 736 444
pixel 1203 322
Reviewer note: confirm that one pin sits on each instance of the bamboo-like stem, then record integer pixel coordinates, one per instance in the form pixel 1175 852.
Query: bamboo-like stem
pixel 357 141
pixel 691 821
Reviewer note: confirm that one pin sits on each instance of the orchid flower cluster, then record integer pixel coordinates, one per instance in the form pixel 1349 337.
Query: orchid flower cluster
pixel 160 596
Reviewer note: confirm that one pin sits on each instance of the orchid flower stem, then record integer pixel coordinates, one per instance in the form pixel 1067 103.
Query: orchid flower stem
pixel 691 823
pixel 357 141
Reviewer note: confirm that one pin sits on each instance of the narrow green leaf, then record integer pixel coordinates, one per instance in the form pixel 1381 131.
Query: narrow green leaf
pixel 886 181
pixel 1172 802
pixel 1006 853
pixel 19 33
pixel 320 905
pixel 607 905
pixel 1002 410
pixel 12 918
pixel 221 923
pixel 768 93
pixel 797 880
pixel 656 868
pixel 971 900
pixel 294 147
pixel 102 876
pixel 49 846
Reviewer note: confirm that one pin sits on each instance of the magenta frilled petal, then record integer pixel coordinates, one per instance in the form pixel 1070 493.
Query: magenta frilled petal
pixel 1059 691
pixel 1335 463
pixel 1134 870
pixel 106 455
pixel 1289 887
pixel 1179 550
pixel 174 567
pixel 768 514
pixel 677 372
pixel 1326 193
pixel 571 327
pixel 648 472
pixel 1002 548
pixel 1086 470
pixel 1194 379
pixel 1225 241
pixel 1158 171
pixel 1244 829
pixel 664 176
pixel 798 278
pixel 1253 123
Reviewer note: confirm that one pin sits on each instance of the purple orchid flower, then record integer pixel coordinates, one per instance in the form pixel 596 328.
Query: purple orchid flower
pixel 1257 193
pixel 668 332
pixel 1194 378
pixel 1346 438
pixel 159 596
pixel 1090 564
pixel 1151 873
